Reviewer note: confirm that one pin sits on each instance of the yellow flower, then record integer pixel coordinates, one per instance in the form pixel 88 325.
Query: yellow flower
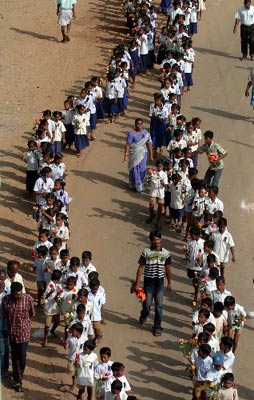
pixel 181 341
pixel 193 367
pixel 211 385
pixel 66 315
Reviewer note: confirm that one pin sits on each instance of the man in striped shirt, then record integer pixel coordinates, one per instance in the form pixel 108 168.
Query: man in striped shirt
pixel 155 263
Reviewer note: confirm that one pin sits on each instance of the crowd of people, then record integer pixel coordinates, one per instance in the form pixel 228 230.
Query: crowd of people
pixel 68 286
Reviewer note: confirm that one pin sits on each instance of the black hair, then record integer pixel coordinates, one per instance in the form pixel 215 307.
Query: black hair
pixel 47 113
pixel 71 279
pixel 55 113
pixel 58 156
pixel 31 141
pixel 218 214
pixel 229 301
pixel 79 106
pixel 81 308
pixel 56 275
pixel 204 312
pixel 64 252
pixel 193 171
pixel 87 254
pixel 57 241
pixel 45 171
pixel 209 243
pixel 208 134
pixel 195 231
pixel 74 261
pixel 213 272
pixel 53 248
pixel 42 250
pixel 227 341
pixel 117 366
pixel 204 337
pixel 78 327
pixel 94 283
pixel 209 327
pixel 207 301
pixel 83 292
pixel 105 350
pixel 220 279
pixel 208 217
pixel 116 385
pixel 44 232
pixel 93 275
pixel 214 189
pixel 154 234
pixel 16 287
pixel 159 162
pixel 205 348
pixel 218 306
pixel 90 344
pixel 11 263
pixel 178 132
pixel 223 222
pixel 228 377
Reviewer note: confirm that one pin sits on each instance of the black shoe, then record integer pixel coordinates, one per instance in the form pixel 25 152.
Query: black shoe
pixel 157 332
pixel 142 320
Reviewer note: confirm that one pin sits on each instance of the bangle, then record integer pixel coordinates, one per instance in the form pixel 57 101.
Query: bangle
pixel 126 154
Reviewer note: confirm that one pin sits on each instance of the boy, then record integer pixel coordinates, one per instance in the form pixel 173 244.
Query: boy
pixel 220 293
pixel 66 13
pixel 236 318
pixel 87 265
pixel 75 346
pixel 42 241
pixel 82 318
pixel 159 180
pixel 223 244
pixel 42 252
pixel 103 370
pixel 213 342
pixel 206 304
pixel 229 357
pixel 75 271
pixel 51 307
pixel 208 250
pixel 118 374
pixel 98 299
pixel 194 251
pixel 212 203
pixel 203 365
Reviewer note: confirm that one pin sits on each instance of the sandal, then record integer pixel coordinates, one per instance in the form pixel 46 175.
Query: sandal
pixel 67 38
pixel 157 332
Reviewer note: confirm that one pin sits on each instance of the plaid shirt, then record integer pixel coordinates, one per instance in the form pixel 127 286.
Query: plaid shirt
pixel 18 314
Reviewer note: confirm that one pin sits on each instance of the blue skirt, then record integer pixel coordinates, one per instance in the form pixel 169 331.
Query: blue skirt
pixel 81 142
pixel 69 134
pixel 100 109
pixel 159 134
pixel 108 106
pixel 93 121
pixel 193 28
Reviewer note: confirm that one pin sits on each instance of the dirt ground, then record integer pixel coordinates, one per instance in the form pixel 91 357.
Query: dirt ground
pixel 38 72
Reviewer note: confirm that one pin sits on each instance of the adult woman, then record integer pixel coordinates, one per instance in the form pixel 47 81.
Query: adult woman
pixel 138 144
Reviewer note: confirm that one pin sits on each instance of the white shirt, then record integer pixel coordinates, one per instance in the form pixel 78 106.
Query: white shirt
pixel 161 112
pixel 212 206
pixel 214 343
pixel 87 328
pixel 120 87
pixel 51 126
pixel 32 159
pixel 98 300
pixel 80 122
pixel 75 346
pixel 218 296
pixel 57 171
pixel 194 249
pixel 59 130
pixel 111 90
pixel 211 318
pixel 43 185
pixel 126 386
pixel 203 366
pixel 88 269
pixel 198 206
pixel 67 116
pixel 229 359
pixel 228 394
pixel 47 243
pixel 68 300
pixel 143 45
pixel 193 14
pixel 17 278
pixel 173 144
pixel 150 40
pixel 194 138
pixel 105 370
pixel 222 244
pixel 245 16
pixel 236 315
pixel 189 60
pixel 98 92
pixel 50 304
pixel 205 269
pixel 85 374
pixel 66 4
pixel 177 195
pixel 81 279
pixel 157 189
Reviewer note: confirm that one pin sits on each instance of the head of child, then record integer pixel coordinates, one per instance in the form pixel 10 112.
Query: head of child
pixel 222 225
pixel 57 241
pixel 208 246
pixel 209 328
pixel 60 218
pixel 195 182
pixel 94 285
pixel 70 283
pixel 203 316
pixel 208 137
pixel 74 264
pixel 167 165
pixel 89 346
pixel 56 276
pixel 95 81
pixel 167 84
pixel 204 351
pixel 50 200
pixel 226 344
pixel 53 253
pixel 81 311
pixel 159 165
pixel 59 184
pixel 117 369
pixel 195 233
pixel 206 304
pixel 43 235
pixel 158 99
pixel 220 284
pixel 228 380
pixel 203 338
pixel 46 172
pixel 217 216
pixel 58 159
pixel 31 144
pixel 212 192
pixel 180 120
pixel 196 123
pixel 80 109
pixel 172 99
pixel 93 275
pixel 177 152
pixel 123 66
pixel 229 303
pixel 213 273
pixel 76 330
pixel 105 354
pixel 42 252
pixel 218 309
pixel 12 268
pixel 57 116
pixel 218 361
pixel 116 387
pixel 45 147
pixel 202 192
pixel 117 72
pixel 46 114
pixel 184 165
pixel 208 219
pixel 178 134
pixel 47 157
pixel 64 255
pixel 82 296
pixel 86 258
pixel 67 105
pixel 176 178
pixel 187 153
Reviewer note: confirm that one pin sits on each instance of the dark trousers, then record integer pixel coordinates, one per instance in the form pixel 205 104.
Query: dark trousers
pixel 247 39
pixel 18 356
pixel 154 289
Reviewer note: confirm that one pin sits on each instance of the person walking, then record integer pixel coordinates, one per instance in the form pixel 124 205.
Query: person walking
pixel 66 13
pixel 249 85
pixel 155 263
pixel 19 309
pixel 245 16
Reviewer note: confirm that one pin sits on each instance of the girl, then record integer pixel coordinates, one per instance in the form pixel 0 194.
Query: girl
pixel 67 117
pixel 31 158
pixel 110 96
pixel 42 186
pixel 47 116
pixel 90 101
pixel 193 141
pixel 158 126
pixel 80 122
pixel 59 133
pixel 85 374
pixel 189 61
pixel 62 195
pixel 48 131
pixel 46 160
pixel 61 231
pixel 134 53
pixel 97 90
pixel 58 167
pixel 165 89
pixel 120 87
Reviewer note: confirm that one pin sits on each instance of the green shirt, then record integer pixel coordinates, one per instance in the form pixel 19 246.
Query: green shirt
pixel 213 148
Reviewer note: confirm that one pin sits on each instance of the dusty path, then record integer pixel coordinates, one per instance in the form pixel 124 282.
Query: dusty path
pixel 37 72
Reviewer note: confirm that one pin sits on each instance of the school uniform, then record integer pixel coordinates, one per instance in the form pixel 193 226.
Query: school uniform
pixel 195 249
pixel 222 244
pixel 85 372
pixel 150 45
pixel 44 185
pixel 110 96
pixel 99 102
pixel 56 146
pixel 67 121
pixel 158 125
pixel 81 280
pixel 103 369
pixel 75 346
pixel 87 328
pixel 49 266
pixel 126 387
pixel 235 317
pixel 189 60
pixel 157 190
pixel 120 87
pixel 80 123
pixel 31 158
pixel 98 300
pixel 58 171
pixel 229 359
pixel 193 20
pixel 173 144
pixel 218 296
pixel 88 269
pixel 210 319
pixel 177 200
pixel 68 298
pixel 201 382
pixel 65 13
pixel 246 17
pixel 51 308
pixel 134 54
pixel 144 53
pixel 211 206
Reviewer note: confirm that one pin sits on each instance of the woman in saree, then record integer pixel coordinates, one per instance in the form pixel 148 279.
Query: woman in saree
pixel 138 145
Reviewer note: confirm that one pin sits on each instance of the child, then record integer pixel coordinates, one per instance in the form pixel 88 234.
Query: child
pixel 75 346
pixel 213 342
pixel 88 332
pixel 208 250
pixel 62 195
pixel 159 180
pixel 177 191
pixel 203 316
pixel 194 251
pixel 42 252
pixel 65 17
pixel 215 374
pixel 220 293
pixel 51 307
pixel 134 53
pixel 206 304
pixel 61 230
pixel 229 357
pixel 13 275
pixel 98 299
pixel 97 90
pixel 59 134
pixel 43 185
pixel 67 117
pixel 74 271
pixel 236 318
pixel 51 263
pixel 118 374
pixel 168 168
pixel 31 158
pixel 188 65
pixel 42 241
pixel 198 205
pixel 202 338
pixel 85 372
pixel 223 244
pixel 58 167
pixel 220 320
pixel 203 365
pixel 228 390
pixel 117 391
pixel 68 298
pixel 158 127
pixel 86 265
pixel 83 299
pixel 65 263
pixel 80 122
pixel 210 281
pixel 110 96
pixel 176 142
pixel 213 226
pixel 103 370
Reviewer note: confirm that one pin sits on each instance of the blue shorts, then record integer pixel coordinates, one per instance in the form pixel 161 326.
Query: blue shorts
pixel 188 79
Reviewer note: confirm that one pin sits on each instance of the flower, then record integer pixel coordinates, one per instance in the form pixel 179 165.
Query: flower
pixel 151 171
pixel 66 315
pixel 213 157
pixel 63 342
pixel 181 341
pixel 51 286
pixel 193 367
pixel 77 357
pixel 211 385
pixel 244 319
pixel 69 301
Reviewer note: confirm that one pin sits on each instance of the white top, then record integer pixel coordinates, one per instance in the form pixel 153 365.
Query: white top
pixel 212 206
pixel 85 374
pixel 75 346
pixel 51 126
pixel 198 206
pixel 188 61
pixel 210 286
pixel 194 248
pixel 235 316
pixel 214 343
pixel 203 366
pixel 80 122
pixel 245 16
pixel 229 359
pixel 87 328
pixel 98 92
pixel 43 185
pixel 68 300
pixel 194 14
pixel 38 243
pixel 228 394
pixel 126 386
pixel 64 197
pixel 172 13
pixel 50 304
pixel 173 144
pixel 17 278
pixel 205 269
pixel 120 87
pixel 143 45
pixel 88 269
pixel 157 189
pixel 67 116
pixel 80 276
pixel 195 318
pixel 177 195
pixel 50 266
pixel 218 296
pixel 103 369
pixel 111 90
pixel 66 4
pixel 150 40
pixel 193 138
pixel 161 112
pixel 57 171
pixel 222 244
pixel 59 130
pixel 98 300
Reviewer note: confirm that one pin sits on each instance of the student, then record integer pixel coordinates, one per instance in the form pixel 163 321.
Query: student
pixel 213 226
pixel 51 263
pixel 188 65
pixel 206 304
pixel 198 205
pixel 51 307
pixel 42 252
pixel 210 281
pixel 61 230
pixel 83 318
pixel 212 203
pixel 43 185
pixel 58 168
pixel 117 391
pixel 202 338
pixel 66 13
pixel 159 180
pixel 220 293
pixel 206 262
pixel 87 265
pixel 59 134
pixel 98 299
pixel 176 142
pixel 223 244
pixel 158 114
pixel 77 273
pixel 229 357
pixel 80 122
pixel 67 117
pixel 203 365
pixel 194 251
pixel 228 390
pixel 85 373
pixel 97 90
pixel 118 374
pixel 236 318
pixel 42 241
pixel 177 190
pixel 31 158
pixel 203 316
pixel 13 275
pixel 213 342
pixel 220 320
pixel 215 374
pixel 75 345
pixel 62 195
pixel 103 370
pixel 67 300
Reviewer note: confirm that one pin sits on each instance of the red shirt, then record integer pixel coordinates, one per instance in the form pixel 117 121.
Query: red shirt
pixel 18 314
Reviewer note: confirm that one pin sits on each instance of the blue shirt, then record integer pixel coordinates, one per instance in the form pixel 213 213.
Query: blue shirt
pixel 3 322
pixel 66 4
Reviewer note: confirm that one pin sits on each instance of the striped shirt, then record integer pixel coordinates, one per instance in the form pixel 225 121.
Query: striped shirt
pixel 154 262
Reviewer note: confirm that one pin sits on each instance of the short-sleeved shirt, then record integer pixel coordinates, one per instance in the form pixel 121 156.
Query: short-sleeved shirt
pixel 66 4
pixel 222 244
pixel 18 313
pixel 245 16
pixel 213 148
pixel 203 366
pixel 154 262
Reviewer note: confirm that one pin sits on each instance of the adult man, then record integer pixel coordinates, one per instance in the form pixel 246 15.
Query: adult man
pixel 245 16
pixel 155 263
pixel 215 154
pixel 66 13
pixel 18 308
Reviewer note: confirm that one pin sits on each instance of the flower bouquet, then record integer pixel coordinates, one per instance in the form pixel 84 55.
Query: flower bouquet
pixel 213 391
pixel 202 286
pixel 238 322
pixel 185 251
pixel 190 371
pixel 213 160
pixel 68 318
pixel 148 177
pixel 59 297
pixel 77 363
pixel 186 346
pixel 140 294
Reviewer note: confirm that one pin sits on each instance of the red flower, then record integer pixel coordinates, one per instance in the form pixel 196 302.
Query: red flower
pixel 60 292
pixel 63 342
pixel 51 286
pixel 77 357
